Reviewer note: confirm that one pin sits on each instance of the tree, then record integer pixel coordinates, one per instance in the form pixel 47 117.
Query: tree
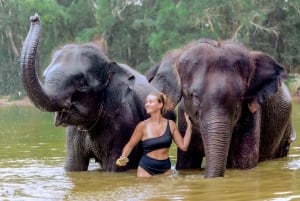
pixel 139 32
pixel 58 27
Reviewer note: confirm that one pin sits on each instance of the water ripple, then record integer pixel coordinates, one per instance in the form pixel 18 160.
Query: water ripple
pixel 32 180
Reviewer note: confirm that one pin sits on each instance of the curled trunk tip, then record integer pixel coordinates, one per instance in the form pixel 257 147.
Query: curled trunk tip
pixel 35 18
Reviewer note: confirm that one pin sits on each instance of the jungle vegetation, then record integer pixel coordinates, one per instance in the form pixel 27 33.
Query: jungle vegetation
pixel 139 32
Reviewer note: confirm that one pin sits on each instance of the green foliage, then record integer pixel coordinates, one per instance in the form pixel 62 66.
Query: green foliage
pixel 139 32
pixel 58 27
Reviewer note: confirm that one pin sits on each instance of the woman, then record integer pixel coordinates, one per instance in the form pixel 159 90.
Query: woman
pixel 156 134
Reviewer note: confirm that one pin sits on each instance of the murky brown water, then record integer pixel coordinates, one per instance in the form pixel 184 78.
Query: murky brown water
pixel 32 155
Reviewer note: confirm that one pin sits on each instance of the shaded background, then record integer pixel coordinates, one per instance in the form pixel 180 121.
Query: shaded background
pixel 139 32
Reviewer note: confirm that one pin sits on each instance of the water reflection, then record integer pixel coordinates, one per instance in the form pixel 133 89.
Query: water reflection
pixel 31 179
pixel 32 158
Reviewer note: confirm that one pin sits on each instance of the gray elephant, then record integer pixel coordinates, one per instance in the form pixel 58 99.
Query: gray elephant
pixel 99 101
pixel 238 104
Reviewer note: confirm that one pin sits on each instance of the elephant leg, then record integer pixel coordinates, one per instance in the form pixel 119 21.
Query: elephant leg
pixel 192 158
pixel 244 147
pixel 77 158
pixel 289 135
pixel 114 154
pixel 277 130
pixel 107 148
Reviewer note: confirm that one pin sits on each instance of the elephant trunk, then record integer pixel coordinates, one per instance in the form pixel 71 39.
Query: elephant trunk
pixel 216 134
pixel 30 80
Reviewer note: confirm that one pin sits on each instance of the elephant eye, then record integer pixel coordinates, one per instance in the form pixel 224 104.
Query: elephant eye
pixel 82 85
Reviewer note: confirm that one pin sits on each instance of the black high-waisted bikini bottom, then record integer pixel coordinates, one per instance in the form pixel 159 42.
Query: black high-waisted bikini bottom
pixel 154 166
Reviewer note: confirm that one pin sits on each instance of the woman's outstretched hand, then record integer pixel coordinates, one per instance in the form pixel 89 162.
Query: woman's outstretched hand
pixel 122 161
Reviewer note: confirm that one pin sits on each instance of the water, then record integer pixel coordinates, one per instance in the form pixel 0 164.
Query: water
pixel 32 153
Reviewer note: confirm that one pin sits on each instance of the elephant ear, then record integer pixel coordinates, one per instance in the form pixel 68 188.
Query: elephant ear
pixel 166 79
pixel 126 76
pixel 120 87
pixel 150 73
pixel 99 69
pixel 266 77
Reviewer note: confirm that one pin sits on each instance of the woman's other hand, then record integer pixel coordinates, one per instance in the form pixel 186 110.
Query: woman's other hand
pixel 187 119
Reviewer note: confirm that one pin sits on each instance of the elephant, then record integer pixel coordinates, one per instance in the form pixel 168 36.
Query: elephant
pixel 239 106
pixel 98 101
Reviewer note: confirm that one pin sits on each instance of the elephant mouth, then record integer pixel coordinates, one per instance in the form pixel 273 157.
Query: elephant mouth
pixel 70 118
pixel 61 119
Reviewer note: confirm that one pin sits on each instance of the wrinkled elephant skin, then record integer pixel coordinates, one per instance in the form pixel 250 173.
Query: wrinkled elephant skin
pixel 99 101
pixel 238 103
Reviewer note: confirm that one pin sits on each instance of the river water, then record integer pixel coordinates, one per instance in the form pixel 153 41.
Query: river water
pixel 32 153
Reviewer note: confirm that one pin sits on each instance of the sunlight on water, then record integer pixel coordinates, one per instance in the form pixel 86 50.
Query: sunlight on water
pixel 32 179
pixel 294 164
pixel 33 153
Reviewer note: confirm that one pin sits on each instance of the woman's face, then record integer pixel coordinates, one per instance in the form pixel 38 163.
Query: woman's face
pixel 152 105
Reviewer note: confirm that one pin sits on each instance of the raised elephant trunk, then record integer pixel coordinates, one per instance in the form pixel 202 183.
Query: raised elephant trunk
pixel 216 135
pixel 30 80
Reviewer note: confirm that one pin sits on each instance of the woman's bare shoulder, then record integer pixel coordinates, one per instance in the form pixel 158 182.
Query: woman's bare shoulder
pixel 171 122
pixel 142 124
pixel 173 125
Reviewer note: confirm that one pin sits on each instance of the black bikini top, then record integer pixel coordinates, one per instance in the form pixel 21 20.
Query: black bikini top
pixel 163 141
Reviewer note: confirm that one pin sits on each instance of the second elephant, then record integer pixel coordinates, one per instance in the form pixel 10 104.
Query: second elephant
pixel 237 101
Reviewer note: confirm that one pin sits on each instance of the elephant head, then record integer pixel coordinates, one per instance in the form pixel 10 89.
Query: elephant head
pixel 221 84
pixel 165 79
pixel 100 101
pixel 74 80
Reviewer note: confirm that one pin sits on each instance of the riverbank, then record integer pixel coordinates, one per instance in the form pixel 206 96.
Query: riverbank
pixel 5 102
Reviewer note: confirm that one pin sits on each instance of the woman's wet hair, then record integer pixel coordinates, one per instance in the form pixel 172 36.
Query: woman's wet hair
pixel 161 98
